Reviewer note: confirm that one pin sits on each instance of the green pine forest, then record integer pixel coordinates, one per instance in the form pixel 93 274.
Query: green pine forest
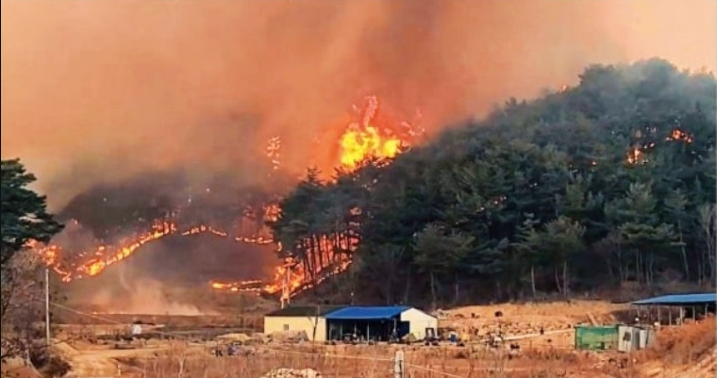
pixel 607 183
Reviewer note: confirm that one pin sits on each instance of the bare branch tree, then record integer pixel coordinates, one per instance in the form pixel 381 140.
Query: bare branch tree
pixel 20 306
pixel 708 229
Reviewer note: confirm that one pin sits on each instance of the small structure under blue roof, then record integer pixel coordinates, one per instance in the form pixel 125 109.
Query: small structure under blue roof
pixel 694 306
pixel 366 313
pixel 379 323
pixel 679 300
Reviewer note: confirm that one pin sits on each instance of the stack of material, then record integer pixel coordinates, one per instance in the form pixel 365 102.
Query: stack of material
pixel 292 373
pixel 236 337
pixel 441 314
pixel 289 336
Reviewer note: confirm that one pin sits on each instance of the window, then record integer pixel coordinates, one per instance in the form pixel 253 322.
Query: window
pixel 286 327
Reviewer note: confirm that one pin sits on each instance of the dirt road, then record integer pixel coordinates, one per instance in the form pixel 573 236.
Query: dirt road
pixel 101 363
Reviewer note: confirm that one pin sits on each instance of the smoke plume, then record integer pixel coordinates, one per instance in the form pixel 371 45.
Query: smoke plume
pixel 96 92
pixel 141 296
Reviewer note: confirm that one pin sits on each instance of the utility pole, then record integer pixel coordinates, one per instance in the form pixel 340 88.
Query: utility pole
pixel 398 365
pixel 47 306
pixel 285 287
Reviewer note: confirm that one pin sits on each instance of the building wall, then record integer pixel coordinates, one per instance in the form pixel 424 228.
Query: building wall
pixel 418 322
pixel 596 337
pixel 632 338
pixel 296 323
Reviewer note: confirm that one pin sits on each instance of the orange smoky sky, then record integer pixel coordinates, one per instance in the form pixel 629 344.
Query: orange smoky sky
pixel 94 91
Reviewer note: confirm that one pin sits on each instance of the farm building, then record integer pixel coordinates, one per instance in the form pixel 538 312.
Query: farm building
pixel 675 308
pixel 378 323
pixel 621 337
pixel 300 318
pixel 323 323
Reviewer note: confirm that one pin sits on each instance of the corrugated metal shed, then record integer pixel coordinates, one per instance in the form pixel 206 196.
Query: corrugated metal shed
pixel 678 300
pixel 305 310
pixel 366 313
pixel 596 337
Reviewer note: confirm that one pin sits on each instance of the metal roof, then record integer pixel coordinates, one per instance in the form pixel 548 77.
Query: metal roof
pixel 678 299
pixel 305 310
pixel 366 313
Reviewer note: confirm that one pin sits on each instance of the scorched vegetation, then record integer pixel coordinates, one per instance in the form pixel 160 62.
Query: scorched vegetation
pixel 608 182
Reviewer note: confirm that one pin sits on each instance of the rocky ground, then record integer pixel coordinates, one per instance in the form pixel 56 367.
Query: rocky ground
pixel 292 373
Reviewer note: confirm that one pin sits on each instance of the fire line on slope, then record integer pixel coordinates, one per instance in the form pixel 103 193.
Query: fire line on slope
pixel 369 137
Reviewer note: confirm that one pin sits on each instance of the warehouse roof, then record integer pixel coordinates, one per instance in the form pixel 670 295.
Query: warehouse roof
pixel 305 310
pixel 366 313
pixel 678 300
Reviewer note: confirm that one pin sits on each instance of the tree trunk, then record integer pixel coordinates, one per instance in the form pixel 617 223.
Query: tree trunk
pixel 315 323
pixel 557 280
pixel 700 269
pixel 388 289
pixel 684 252
pixel 406 293
pixel 433 291
pixel 565 278
pixel 320 255
pixel 713 264
pixel 532 281
pixel 308 260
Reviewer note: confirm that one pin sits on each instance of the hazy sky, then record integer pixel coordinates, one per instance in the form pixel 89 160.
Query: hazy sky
pixel 97 90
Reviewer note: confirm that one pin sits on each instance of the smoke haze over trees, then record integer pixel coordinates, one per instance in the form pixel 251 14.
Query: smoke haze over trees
pixel 608 182
pixel 96 92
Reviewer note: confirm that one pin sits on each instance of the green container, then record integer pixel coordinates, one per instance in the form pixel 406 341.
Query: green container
pixel 596 337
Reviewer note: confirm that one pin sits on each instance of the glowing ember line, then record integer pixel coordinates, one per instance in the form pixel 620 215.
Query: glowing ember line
pixel 368 137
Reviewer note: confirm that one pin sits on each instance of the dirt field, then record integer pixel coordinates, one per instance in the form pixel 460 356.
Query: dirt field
pixel 686 351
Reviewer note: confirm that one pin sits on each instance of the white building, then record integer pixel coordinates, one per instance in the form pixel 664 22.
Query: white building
pixel 308 319
pixel 323 323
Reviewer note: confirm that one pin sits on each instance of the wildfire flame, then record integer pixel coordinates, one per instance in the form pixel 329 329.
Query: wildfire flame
pixel 103 256
pixel 273 152
pixel 636 154
pixel 239 286
pixel 361 140
pixel 364 139
pixel 678 134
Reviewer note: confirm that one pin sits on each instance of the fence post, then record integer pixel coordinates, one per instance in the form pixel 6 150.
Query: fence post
pixel 398 365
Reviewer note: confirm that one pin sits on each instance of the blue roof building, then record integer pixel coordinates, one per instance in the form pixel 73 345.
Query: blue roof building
pixel 377 323
pixel 367 313
pixel 679 300
pixel 690 306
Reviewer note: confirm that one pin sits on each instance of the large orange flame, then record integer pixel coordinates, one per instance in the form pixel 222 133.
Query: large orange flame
pixel 364 139
pixel 360 141
pixel 358 145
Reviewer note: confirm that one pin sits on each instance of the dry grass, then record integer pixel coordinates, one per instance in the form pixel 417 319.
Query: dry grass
pixel 365 361
pixel 550 355
pixel 685 351
pixel 687 344
pixel 688 350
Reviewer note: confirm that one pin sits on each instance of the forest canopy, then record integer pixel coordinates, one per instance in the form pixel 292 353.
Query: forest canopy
pixel 608 182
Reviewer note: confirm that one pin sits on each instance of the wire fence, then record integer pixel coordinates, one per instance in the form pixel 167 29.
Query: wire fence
pixel 184 358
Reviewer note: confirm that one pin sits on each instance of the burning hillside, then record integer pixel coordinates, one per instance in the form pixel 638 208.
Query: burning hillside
pixel 647 141
pixel 372 136
pixel 109 224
